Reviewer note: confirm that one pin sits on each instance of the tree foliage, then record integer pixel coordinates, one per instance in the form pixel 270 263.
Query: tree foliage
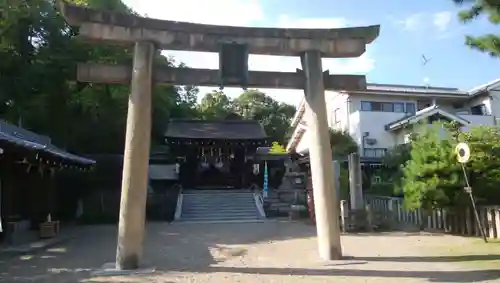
pixel 489 43
pixel 252 104
pixel 392 174
pixel 342 143
pixel 432 176
pixel 38 91
pixel 216 105
pixel 484 165
pixel 39 57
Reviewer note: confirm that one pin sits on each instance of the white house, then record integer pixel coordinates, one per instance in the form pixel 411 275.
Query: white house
pixel 375 117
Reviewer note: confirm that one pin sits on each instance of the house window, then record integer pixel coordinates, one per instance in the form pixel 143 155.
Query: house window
pixel 399 107
pixel 366 106
pixel 478 110
pixel 387 107
pixel 375 152
pixel 410 108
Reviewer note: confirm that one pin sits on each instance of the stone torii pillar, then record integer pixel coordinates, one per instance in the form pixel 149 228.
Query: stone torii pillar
pixel 311 44
pixel 326 202
pixel 136 160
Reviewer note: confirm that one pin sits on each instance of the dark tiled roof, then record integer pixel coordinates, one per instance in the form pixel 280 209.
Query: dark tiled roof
pixel 427 112
pixel 27 139
pixel 215 129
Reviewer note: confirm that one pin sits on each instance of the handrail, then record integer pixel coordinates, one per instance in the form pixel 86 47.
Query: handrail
pixel 178 207
pixel 255 188
pixel 259 200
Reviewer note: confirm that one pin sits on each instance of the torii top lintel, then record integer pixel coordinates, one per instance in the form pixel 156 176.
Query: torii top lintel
pixel 118 28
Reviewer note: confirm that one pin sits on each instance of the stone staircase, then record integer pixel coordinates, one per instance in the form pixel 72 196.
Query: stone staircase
pixel 219 206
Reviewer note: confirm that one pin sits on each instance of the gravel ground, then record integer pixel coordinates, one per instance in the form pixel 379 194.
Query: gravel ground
pixel 247 252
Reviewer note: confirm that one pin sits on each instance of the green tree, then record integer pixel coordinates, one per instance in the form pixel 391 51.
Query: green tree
pixel 431 177
pixel 484 164
pixel 394 162
pixel 39 55
pixel 342 144
pixel 489 43
pixel 274 116
pixel 215 105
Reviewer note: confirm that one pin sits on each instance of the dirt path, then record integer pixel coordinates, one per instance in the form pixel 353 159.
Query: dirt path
pixel 256 252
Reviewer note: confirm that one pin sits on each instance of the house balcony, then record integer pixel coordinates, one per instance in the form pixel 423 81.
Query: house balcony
pixel 478 120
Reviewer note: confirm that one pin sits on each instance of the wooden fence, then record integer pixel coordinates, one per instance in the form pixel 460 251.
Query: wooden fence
pixel 462 223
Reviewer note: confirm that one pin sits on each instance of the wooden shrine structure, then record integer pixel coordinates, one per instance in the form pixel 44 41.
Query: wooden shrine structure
pixel 233 44
pixel 215 153
pixel 28 191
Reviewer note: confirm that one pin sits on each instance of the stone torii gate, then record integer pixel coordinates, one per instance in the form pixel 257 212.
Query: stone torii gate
pixel 233 45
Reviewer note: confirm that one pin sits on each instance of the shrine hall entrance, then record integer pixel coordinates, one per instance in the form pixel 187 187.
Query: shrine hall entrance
pixel 215 154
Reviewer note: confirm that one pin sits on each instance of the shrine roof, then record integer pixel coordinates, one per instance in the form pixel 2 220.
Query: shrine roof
pixel 215 129
pixel 23 138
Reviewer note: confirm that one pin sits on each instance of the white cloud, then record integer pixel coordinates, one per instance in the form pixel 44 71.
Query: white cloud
pixel 442 20
pixel 434 24
pixel 247 13
pixel 412 22
pixel 284 21
pixel 216 12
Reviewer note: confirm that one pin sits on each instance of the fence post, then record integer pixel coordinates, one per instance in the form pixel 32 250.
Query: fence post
pixel 444 216
pixel 468 224
pixel 491 233
pixel 484 217
pixel 400 213
pixel 497 222
pixel 343 214
pixel 369 216
pixel 391 216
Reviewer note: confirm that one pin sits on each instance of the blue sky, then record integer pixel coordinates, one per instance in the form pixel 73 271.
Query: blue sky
pixel 408 30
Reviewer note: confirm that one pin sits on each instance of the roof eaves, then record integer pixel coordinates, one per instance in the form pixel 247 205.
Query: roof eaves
pixel 429 111
pixel 483 88
pixel 49 148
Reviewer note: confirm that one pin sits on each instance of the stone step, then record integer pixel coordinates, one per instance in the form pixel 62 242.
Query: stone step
pixel 210 207
pixel 218 205
pixel 215 208
pixel 206 212
pixel 221 215
pixel 219 218
pixel 215 205
pixel 224 198
pixel 215 192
